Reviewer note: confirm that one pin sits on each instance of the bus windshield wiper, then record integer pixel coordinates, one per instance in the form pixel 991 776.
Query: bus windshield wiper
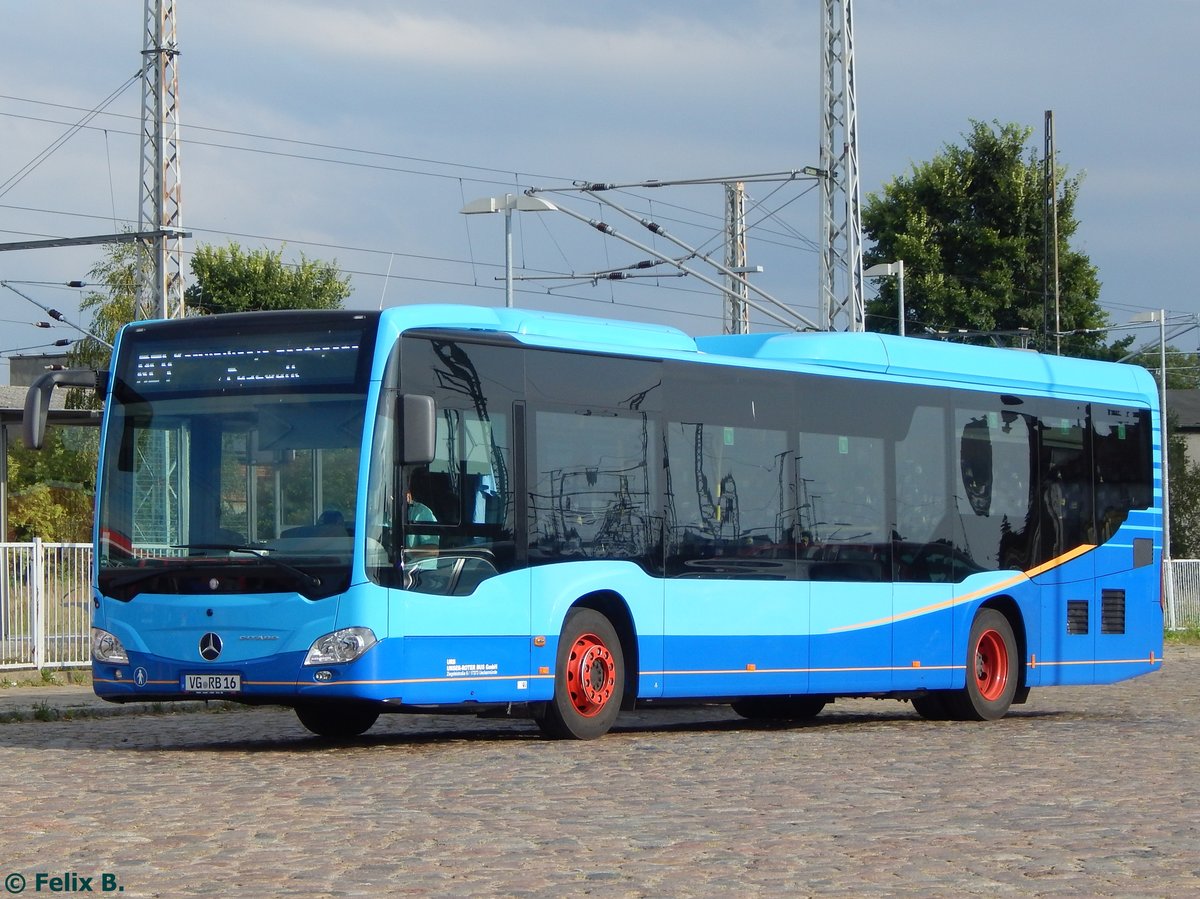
pixel 303 576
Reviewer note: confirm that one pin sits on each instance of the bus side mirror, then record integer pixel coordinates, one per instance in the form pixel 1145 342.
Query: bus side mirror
pixel 418 429
pixel 37 400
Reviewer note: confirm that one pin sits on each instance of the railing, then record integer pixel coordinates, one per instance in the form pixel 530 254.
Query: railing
pixel 1185 577
pixel 46 603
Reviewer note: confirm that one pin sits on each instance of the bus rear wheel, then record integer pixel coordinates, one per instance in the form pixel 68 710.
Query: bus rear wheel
pixel 589 679
pixel 337 721
pixel 992 670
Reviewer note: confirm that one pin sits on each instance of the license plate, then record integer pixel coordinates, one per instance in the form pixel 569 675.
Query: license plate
pixel 212 683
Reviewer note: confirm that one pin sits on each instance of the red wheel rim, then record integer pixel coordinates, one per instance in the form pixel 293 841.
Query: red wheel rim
pixel 591 675
pixel 991 665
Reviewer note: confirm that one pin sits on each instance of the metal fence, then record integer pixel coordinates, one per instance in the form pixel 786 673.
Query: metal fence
pixel 46 600
pixel 1185 586
pixel 45 605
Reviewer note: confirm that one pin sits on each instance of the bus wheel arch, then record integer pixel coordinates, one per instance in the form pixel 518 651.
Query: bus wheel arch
pixel 994 664
pixel 613 607
pixel 589 678
pixel 1008 607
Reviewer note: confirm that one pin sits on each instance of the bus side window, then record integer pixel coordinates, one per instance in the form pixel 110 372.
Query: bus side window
pixel 418 512
pixel 922 552
pixel 1066 495
pixel 1123 476
pixel 975 455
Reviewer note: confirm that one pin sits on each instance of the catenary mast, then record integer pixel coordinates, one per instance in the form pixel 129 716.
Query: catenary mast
pixel 841 299
pixel 160 268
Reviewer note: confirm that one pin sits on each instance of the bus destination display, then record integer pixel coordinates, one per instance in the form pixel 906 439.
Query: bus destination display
pixel 251 363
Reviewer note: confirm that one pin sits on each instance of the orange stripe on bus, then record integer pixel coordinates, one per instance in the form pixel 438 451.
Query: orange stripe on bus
pixel 967 597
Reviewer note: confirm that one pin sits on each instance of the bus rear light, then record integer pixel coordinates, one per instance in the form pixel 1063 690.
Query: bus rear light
pixel 341 646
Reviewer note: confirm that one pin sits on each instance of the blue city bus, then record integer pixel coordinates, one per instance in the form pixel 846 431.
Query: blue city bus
pixel 506 512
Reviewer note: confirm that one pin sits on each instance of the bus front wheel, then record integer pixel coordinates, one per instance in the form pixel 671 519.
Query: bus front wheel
pixel 589 679
pixel 337 721
pixel 993 670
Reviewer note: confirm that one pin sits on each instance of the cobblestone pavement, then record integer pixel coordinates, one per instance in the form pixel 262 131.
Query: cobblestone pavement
pixel 1082 792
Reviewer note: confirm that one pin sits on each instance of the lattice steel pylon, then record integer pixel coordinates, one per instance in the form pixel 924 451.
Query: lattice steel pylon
pixel 737 321
pixel 841 297
pixel 160 268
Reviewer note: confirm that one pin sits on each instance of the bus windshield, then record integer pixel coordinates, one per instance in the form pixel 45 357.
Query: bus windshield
pixel 211 485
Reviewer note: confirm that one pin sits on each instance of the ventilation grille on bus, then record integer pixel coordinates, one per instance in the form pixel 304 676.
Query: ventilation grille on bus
pixel 1077 616
pixel 1112 611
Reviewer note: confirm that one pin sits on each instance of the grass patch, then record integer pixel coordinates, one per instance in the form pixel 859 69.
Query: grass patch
pixel 1187 636
pixel 47 677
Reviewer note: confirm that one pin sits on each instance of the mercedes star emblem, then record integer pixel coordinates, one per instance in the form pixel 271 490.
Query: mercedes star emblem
pixel 210 647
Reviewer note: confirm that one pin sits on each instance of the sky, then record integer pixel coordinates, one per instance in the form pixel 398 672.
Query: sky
pixel 355 131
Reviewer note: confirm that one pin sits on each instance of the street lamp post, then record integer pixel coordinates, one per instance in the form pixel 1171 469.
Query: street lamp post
pixel 506 204
pixel 891 268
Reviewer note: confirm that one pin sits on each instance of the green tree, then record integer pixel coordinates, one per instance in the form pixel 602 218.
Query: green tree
pixel 51 489
pixel 225 279
pixel 229 279
pixel 969 226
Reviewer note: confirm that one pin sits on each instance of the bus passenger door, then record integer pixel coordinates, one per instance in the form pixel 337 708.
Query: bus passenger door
pixel 462 608
pixel 847 556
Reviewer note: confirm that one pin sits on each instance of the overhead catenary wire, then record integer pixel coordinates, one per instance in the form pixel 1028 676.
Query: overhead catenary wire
pixel 503 176
pixel 508 182
pixel 41 346
pixel 325 245
pixel 56 315
pixel 581 278
pixel 658 230
pixel 592 187
pixel 608 230
pixel 18 176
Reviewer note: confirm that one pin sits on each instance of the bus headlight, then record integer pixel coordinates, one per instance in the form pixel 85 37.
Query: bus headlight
pixel 341 646
pixel 107 648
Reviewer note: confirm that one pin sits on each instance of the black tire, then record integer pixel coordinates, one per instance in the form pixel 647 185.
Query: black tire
pixel 589 679
pixel 932 706
pixel 780 708
pixel 993 670
pixel 339 722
